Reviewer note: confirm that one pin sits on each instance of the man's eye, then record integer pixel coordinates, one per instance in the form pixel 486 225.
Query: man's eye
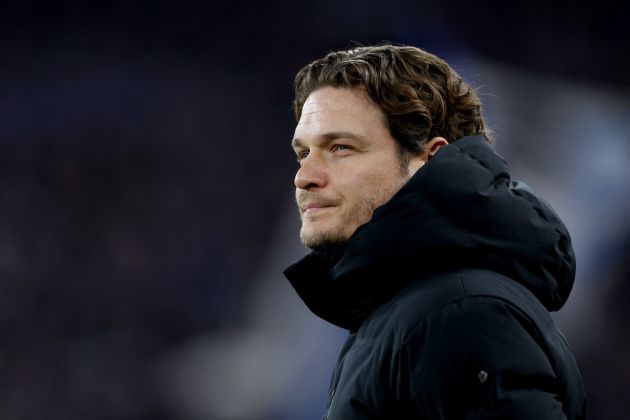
pixel 338 147
pixel 302 155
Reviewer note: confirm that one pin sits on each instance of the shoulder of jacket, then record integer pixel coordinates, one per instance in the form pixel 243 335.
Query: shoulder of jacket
pixel 444 293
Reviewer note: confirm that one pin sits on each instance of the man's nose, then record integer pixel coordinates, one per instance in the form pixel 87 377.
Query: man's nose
pixel 311 174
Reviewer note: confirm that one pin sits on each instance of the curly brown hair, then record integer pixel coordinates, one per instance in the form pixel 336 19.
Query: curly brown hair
pixel 420 95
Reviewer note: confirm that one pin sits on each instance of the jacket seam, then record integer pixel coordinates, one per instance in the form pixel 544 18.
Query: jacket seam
pixel 457 301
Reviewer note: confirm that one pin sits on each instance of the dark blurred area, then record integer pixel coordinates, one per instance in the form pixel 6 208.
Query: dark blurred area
pixel 145 174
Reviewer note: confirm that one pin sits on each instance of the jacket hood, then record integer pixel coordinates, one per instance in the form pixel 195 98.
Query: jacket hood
pixel 460 210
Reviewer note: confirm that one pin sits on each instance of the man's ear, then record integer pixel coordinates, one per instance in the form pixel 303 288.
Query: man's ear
pixel 433 145
pixel 430 149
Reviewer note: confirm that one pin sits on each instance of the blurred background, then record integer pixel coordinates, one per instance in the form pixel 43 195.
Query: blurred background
pixel 146 208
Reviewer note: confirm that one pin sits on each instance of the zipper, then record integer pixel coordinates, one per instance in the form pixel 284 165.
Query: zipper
pixel 332 397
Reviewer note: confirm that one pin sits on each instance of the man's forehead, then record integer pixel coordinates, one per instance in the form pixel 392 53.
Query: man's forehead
pixel 319 104
pixel 333 110
pixel 335 98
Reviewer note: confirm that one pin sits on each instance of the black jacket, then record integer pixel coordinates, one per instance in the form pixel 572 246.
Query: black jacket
pixel 446 293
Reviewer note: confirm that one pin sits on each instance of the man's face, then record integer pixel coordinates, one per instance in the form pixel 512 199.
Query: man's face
pixel 348 164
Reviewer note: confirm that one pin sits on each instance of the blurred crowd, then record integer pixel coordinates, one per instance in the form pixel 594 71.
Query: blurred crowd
pixel 146 205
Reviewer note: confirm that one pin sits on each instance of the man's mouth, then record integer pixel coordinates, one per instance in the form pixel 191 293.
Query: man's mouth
pixel 311 203
pixel 312 208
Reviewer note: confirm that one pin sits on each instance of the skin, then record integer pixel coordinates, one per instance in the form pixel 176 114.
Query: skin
pixel 348 164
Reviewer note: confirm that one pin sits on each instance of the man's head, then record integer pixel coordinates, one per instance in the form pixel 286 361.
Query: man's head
pixel 368 119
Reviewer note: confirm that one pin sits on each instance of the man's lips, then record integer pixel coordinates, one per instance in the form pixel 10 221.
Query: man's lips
pixel 312 209
pixel 313 203
pixel 315 206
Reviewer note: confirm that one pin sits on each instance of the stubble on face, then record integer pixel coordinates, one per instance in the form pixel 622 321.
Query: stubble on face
pixel 357 215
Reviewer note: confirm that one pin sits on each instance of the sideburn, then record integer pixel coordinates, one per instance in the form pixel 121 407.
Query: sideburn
pixel 404 157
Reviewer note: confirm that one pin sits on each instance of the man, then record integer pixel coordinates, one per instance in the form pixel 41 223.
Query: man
pixel 443 270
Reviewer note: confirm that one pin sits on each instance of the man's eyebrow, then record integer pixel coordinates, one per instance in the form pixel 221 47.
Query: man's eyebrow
pixel 296 143
pixel 328 137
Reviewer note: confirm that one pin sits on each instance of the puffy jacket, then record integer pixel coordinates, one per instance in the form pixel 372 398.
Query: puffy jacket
pixel 446 293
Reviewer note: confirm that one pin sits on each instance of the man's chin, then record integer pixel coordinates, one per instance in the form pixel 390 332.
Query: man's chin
pixel 322 240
